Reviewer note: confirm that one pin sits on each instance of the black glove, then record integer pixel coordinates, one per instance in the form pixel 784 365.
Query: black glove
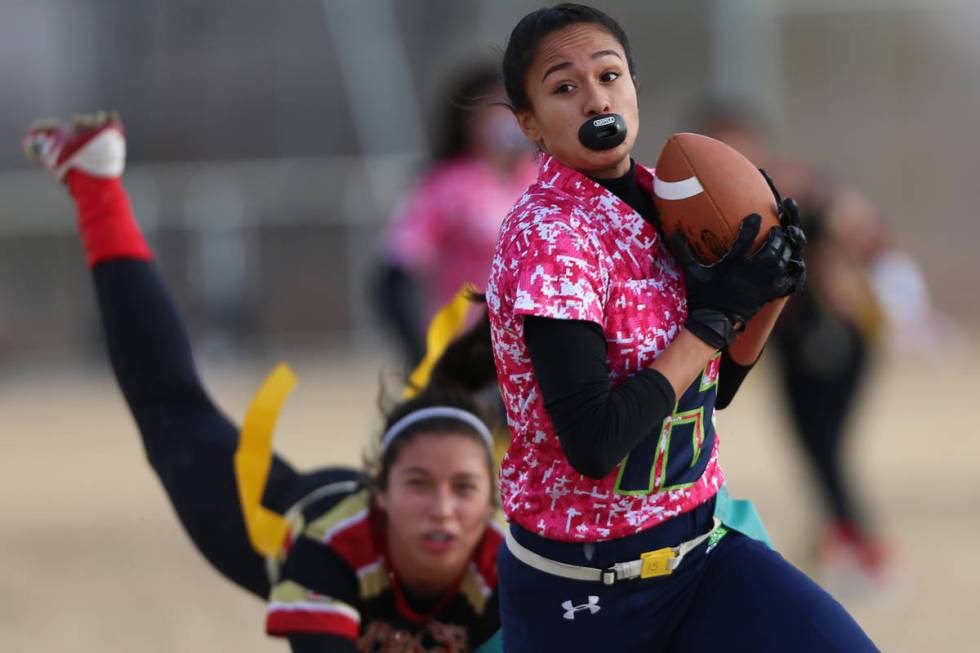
pixel 723 297
pixel 789 218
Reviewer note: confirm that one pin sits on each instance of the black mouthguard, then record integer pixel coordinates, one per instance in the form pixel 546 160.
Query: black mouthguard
pixel 603 132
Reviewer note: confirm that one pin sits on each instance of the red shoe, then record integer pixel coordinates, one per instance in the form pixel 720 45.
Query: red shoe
pixel 875 558
pixel 852 561
pixel 93 143
pixel 836 545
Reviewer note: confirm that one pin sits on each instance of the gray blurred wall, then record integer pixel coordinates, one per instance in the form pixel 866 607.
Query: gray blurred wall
pixel 245 149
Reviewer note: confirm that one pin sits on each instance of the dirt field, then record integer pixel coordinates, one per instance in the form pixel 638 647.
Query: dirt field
pixel 93 558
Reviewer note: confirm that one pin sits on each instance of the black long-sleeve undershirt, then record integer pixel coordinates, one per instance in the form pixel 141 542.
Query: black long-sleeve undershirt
pixel 730 377
pixel 596 424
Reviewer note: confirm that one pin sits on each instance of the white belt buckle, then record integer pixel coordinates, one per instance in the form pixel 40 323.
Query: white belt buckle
pixel 609 576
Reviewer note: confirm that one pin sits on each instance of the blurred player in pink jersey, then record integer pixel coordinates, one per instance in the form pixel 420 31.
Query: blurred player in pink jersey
pixel 445 230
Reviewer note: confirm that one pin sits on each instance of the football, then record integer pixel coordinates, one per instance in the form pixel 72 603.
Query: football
pixel 704 188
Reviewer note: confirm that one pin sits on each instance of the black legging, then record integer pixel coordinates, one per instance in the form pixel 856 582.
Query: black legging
pixel 188 441
pixel 822 365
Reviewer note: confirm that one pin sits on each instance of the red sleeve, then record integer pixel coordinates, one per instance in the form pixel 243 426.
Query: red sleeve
pixel 316 593
pixel 293 608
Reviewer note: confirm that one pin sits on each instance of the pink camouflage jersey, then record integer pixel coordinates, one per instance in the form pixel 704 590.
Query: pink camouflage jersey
pixel 446 230
pixel 572 250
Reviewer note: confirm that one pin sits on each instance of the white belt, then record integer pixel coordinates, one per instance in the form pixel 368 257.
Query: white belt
pixel 652 563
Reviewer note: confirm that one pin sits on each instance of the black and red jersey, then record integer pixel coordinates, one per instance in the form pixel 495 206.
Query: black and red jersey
pixel 335 579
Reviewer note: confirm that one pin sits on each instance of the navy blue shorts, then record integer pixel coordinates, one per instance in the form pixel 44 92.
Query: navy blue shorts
pixel 737 595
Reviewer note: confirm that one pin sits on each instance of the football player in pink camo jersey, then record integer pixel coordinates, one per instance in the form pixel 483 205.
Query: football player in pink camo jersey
pixel 612 354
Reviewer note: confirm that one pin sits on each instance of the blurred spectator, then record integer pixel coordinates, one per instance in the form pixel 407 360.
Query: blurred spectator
pixel 444 233
pixel 827 335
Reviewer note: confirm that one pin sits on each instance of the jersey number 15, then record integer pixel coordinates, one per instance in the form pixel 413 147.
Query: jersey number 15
pixel 675 455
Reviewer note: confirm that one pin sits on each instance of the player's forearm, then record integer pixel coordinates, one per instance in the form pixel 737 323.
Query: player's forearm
pixel 747 346
pixel 683 360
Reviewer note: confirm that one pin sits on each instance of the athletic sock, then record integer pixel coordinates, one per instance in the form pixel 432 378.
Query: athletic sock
pixel 105 219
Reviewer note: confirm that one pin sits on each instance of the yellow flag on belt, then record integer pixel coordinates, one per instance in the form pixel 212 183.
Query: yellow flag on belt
pixel 447 324
pixel 266 529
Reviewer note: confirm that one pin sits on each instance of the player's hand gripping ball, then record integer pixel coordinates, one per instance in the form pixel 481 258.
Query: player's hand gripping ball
pixel 739 242
pixel 789 220
pixel 724 296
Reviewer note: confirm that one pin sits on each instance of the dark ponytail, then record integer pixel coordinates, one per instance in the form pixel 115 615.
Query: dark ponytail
pixel 533 28
pixel 467 363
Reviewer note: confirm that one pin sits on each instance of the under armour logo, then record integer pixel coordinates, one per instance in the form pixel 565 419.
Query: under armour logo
pixel 592 606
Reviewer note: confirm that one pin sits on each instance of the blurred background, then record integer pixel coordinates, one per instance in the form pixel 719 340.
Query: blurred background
pixel 270 145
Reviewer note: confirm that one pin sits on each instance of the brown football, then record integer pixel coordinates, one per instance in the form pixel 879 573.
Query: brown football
pixel 704 189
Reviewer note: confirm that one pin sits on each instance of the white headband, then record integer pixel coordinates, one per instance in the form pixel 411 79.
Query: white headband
pixel 432 413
